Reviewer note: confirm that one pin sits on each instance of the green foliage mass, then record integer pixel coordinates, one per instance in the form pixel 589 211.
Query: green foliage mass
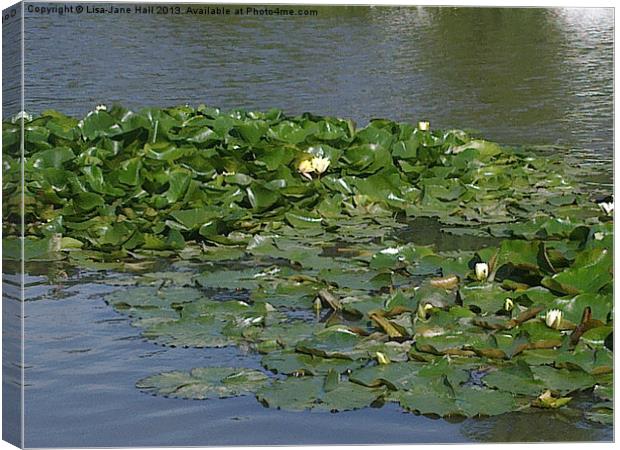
pixel 318 271
pixel 159 178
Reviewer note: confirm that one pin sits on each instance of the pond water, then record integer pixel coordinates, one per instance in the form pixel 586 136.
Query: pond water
pixel 522 76
pixel 83 359
pixel 528 76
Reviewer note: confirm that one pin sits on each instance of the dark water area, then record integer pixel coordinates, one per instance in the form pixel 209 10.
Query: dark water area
pixel 518 76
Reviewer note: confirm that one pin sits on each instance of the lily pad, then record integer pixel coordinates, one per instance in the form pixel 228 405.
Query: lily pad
pixel 334 342
pixel 437 398
pixel 152 298
pixel 294 363
pixel 396 376
pixel 517 379
pixel 197 332
pixel 204 383
pixel 297 394
pixel 563 380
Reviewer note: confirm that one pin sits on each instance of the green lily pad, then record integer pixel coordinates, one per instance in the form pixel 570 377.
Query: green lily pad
pixel 152 298
pixel 334 342
pixel 438 399
pixel 230 279
pixel 395 376
pixel 517 379
pixel 294 363
pixel 204 383
pixel 196 332
pixel 485 298
pixel 587 276
pixel 298 394
pixel 563 380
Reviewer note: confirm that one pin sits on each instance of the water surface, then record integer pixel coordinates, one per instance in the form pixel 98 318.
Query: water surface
pixel 83 359
pixel 522 76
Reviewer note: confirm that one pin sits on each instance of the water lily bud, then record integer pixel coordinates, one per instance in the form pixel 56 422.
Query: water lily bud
pixel 548 400
pixel 317 304
pixel 55 243
pixel 424 310
pixel 320 165
pixel 424 126
pixel 482 271
pixel 508 304
pixel 382 358
pixel 553 319
pixel 607 207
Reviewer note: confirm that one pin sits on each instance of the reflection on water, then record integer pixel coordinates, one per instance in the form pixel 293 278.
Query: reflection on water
pixel 542 426
pixel 427 231
pixel 524 76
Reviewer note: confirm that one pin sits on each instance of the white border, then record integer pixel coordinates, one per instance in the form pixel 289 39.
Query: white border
pixel 546 3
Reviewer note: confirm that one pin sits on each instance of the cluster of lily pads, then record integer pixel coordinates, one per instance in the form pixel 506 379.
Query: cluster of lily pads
pixel 157 179
pixel 291 237
pixel 387 324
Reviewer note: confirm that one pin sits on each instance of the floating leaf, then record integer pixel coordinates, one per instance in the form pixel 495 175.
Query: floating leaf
pixel 204 383
pixel 517 379
pixel 294 363
pixel 297 394
pixel 334 342
pixel 563 380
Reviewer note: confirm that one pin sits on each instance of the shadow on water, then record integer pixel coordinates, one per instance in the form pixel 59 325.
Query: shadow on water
pixel 427 231
pixel 542 426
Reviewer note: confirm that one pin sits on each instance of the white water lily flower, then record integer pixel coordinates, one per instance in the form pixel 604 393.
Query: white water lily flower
pixel 424 126
pixel 251 321
pixel 345 331
pixel 553 319
pixel 390 251
pixel 320 165
pixel 305 168
pixel 22 115
pixel 508 304
pixel 482 271
pixel 391 196
pixel 266 273
pixel 101 107
pixel 607 207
